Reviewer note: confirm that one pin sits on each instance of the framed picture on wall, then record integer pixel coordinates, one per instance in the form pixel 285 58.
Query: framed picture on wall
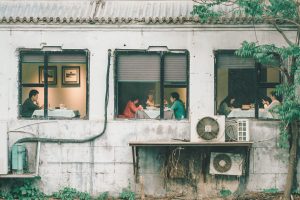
pixel 71 75
pixel 52 75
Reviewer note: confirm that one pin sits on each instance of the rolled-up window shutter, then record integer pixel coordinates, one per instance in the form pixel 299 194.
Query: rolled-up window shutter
pixel 175 68
pixel 67 58
pixel 33 59
pixel 226 60
pixel 139 68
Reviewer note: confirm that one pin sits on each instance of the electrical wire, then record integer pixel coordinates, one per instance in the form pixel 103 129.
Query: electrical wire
pixel 58 140
pixel 31 125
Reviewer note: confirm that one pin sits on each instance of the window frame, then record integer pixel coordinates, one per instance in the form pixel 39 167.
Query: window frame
pixel 258 85
pixel 162 55
pixel 45 54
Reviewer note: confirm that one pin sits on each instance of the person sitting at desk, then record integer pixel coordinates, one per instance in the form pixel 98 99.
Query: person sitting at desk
pixel 177 106
pixel 31 104
pixel 274 103
pixel 131 108
pixel 150 100
pixel 226 106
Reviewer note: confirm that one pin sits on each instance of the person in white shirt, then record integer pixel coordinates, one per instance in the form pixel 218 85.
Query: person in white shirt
pixel 275 102
pixel 271 106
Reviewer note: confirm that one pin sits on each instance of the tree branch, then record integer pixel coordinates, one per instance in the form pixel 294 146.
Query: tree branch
pixel 208 2
pixel 285 71
pixel 282 33
pixel 288 20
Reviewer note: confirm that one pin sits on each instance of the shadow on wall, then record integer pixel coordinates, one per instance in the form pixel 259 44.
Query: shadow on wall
pixel 184 171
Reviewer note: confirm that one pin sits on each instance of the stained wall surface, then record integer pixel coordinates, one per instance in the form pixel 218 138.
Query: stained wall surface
pixel 106 163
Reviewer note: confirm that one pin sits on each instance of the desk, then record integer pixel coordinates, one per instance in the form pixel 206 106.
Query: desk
pixel 57 113
pixel 153 114
pixel 238 113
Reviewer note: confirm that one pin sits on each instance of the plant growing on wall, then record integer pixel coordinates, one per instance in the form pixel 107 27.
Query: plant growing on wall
pixel 127 194
pixel 103 196
pixel 275 13
pixel 71 193
pixel 27 190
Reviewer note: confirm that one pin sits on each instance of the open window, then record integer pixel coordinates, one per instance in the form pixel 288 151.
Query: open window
pixel 53 85
pixel 151 77
pixel 242 85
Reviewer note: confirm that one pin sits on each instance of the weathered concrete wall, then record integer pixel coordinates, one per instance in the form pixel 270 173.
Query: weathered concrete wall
pixel 268 163
pixel 102 165
pixel 106 163
pixel 267 167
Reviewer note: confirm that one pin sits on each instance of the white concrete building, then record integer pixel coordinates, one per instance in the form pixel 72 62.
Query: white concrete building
pixel 156 47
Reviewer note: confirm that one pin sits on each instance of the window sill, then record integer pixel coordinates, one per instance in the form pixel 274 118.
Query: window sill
pixel 51 118
pixel 254 119
pixel 150 120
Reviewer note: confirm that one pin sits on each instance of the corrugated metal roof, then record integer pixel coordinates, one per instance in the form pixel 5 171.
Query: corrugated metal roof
pixel 145 10
pixel 45 11
pixel 104 12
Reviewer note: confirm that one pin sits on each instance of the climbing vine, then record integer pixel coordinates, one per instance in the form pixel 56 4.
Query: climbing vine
pixel 275 13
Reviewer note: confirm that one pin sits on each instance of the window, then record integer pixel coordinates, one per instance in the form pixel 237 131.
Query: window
pixel 242 84
pixel 53 85
pixel 150 78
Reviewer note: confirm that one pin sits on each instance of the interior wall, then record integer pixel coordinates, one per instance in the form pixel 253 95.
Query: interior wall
pixel 73 97
pixel 180 91
pixel 273 75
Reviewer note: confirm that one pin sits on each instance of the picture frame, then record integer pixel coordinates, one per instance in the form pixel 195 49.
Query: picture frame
pixel 52 75
pixel 71 76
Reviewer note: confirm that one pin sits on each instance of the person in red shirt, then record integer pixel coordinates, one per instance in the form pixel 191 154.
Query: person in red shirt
pixel 131 108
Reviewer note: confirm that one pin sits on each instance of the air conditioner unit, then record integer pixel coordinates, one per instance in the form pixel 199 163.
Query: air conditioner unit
pixel 208 129
pixel 3 148
pixel 237 130
pixel 226 164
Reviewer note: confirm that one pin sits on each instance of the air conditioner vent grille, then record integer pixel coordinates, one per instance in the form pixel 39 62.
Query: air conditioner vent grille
pixel 237 130
pixel 207 128
pixel 222 163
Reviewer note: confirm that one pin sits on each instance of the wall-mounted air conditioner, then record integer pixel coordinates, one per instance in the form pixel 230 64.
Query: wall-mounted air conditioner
pixel 226 164
pixel 208 129
pixel 3 148
pixel 237 130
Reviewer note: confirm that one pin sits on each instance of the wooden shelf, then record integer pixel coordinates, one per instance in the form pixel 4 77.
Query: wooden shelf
pixel 195 144
pixel 18 175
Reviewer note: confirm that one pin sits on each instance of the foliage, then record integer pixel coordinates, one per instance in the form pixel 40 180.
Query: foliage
pixel 27 191
pixel 103 196
pixel 271 190
pixel 296 192
pixel 71 193
pixel 225 193
pixel 127 194
pixel 273 10
pixel 268 54
pixel 286 58
pixel 6 195
pixel 289 110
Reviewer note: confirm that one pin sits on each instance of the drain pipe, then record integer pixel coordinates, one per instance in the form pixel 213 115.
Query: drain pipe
pixel 84 140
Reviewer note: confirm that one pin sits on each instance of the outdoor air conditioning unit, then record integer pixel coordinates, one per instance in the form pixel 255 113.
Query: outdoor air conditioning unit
pixel 208 129
pixel 226 164
pixel 3 148
pixel 237 130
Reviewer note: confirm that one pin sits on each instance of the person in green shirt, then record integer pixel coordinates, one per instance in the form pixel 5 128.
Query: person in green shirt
pixel 177 106
pixel 30 104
